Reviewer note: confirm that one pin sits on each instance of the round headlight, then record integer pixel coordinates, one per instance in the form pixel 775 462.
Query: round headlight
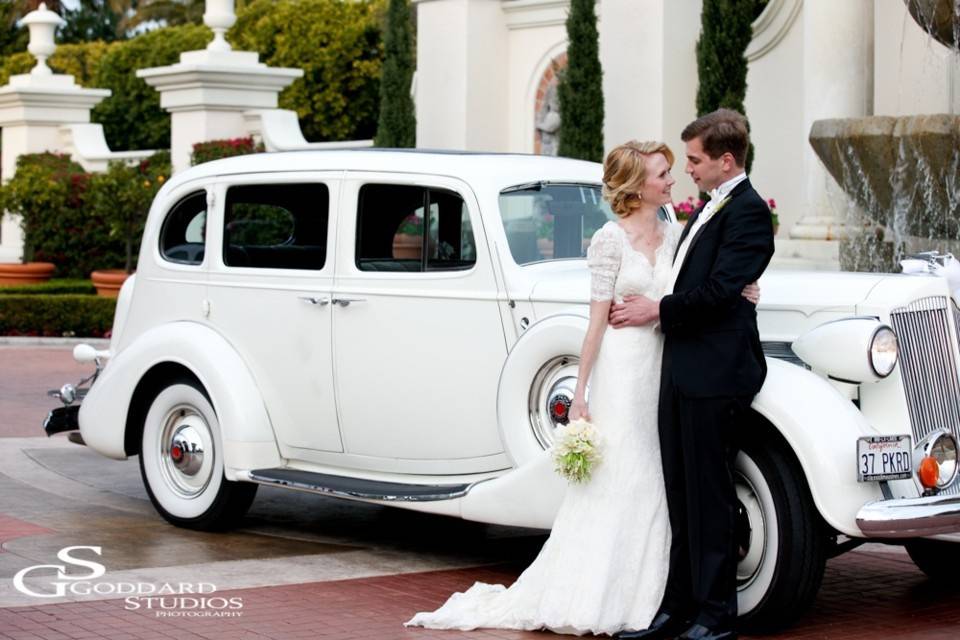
pixel 943 449
pixel 883 351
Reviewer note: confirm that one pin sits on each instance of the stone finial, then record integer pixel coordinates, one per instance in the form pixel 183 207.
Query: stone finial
pixel 219 16
pixel 42 23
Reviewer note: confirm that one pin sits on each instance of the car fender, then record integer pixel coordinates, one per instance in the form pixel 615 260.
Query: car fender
pixel 821 427
pixel 249 439
pixel 554 336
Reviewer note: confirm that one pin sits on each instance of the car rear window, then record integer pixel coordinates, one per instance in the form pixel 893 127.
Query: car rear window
pixel 183 234
pixel 276 226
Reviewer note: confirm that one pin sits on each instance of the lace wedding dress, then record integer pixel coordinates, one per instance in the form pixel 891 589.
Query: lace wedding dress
pixel 604 567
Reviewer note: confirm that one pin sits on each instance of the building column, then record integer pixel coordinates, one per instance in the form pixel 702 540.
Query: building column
pixel 460 88
pixel 838 83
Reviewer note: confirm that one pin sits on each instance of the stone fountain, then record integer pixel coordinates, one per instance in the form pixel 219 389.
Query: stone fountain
pixel 902 173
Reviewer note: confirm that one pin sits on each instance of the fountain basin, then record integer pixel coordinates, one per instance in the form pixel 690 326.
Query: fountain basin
pixel 903 172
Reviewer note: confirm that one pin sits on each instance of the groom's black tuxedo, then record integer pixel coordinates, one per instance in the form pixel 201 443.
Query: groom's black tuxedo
pixel 712 367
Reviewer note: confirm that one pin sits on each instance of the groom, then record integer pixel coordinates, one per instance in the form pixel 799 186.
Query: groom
pixel 712 367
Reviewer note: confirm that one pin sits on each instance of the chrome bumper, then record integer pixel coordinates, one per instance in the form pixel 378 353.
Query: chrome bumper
pixel 910 517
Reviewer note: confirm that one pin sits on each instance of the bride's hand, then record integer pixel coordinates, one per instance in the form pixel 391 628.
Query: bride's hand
pixel 752 292
pixel 578 411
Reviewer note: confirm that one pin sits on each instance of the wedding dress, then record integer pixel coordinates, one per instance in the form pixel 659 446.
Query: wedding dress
pixel 604 567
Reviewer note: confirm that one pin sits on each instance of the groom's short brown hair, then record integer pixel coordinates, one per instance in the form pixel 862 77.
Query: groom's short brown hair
pixel 721 131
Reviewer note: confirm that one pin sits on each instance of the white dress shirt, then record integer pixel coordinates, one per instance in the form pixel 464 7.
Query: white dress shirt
pixel 716 197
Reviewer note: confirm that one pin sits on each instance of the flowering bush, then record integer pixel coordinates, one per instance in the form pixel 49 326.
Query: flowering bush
pixel 216 149
pixel 773 211
pixel 686 208
pixel 411 225
pixel 122 195
pixel 49 192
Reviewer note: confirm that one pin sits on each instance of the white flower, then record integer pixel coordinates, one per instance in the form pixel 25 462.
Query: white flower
pixel 576 450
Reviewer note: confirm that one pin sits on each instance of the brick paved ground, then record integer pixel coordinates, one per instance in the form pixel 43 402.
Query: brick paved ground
pixel 866 595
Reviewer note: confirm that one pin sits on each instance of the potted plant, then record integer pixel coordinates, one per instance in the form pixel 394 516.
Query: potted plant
pixel 121 196
pixel 408 241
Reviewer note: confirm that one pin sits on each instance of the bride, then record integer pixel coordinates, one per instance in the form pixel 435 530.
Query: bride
pixel 604 567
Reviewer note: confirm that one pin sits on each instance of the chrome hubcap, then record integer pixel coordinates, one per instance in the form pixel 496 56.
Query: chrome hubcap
pixel 185 441
pixel 551 395
pixel 750 533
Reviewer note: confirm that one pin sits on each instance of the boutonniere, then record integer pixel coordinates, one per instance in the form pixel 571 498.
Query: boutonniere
pixel 721 205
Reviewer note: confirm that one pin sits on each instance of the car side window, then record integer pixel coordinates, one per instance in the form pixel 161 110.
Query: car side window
pixel 276 226
pixel 413 229
pixel 183 234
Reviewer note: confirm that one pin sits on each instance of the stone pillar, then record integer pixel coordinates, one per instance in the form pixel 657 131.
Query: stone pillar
pixel 647 51
pixel 208 91
pixel 33 107
pixel 460 89
pixel 837 83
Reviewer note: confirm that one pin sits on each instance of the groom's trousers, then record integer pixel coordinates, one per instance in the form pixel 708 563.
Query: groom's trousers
pixel 698 444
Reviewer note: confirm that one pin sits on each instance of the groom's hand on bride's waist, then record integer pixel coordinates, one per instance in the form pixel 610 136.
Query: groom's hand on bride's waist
pixel 634 311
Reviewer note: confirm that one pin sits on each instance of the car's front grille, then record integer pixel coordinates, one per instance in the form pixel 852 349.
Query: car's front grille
pixel 928 368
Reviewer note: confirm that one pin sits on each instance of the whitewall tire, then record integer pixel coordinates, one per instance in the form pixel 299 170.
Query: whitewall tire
pixel 181 461
pixel 780 537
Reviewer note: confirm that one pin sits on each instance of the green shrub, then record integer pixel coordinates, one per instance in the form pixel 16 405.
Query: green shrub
pixel 121 196
pixel 56 315
pixel 78 60
pixel 216 149
pixel 131 116
pixel 337 44
pixel 397 126
pixel 726 31
pixel 581 88
pixel 49 192
pixel 59 286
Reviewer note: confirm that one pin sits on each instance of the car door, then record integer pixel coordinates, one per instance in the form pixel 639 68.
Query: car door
pixel 269 292
pixel 418 340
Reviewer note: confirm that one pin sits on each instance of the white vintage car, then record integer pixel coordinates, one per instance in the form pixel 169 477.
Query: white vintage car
pixel 404 328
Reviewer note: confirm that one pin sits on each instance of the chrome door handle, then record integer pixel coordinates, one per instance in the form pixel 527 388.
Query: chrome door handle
pixel 345 302
pixel 320 302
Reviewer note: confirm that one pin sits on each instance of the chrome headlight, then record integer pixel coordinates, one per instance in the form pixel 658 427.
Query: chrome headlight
pixel 942 447
pixel 883 351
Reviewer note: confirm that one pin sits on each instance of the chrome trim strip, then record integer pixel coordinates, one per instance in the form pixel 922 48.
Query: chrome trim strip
pixel 910 517
pixel 455 491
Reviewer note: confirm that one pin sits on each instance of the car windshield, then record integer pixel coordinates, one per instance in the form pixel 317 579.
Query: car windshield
pixel 552 221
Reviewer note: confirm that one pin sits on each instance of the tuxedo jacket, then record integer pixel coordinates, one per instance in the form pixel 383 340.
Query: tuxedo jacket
pixel 712 345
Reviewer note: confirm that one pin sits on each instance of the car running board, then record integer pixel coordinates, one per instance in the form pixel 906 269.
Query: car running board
pixel 357 487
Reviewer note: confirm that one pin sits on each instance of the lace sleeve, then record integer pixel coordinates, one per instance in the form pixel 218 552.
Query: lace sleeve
pixel 672 237
pixel 603 258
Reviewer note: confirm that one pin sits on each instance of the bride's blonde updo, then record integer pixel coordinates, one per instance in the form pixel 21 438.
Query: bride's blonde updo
pixel 625 170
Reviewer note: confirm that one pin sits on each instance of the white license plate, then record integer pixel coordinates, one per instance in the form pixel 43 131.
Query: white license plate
pixel 884 458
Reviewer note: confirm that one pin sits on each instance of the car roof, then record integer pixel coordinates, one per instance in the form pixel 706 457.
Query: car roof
pixel 484 170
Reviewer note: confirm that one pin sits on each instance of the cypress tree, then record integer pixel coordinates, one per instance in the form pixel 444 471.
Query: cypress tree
pixel 397 125
pixel 721 64
pixel 581 89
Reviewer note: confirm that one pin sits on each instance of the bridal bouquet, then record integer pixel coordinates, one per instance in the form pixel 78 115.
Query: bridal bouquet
pixel 577 450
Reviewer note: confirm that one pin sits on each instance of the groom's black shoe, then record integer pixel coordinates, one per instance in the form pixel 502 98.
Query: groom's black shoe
pixel 700 632
pixel 663 626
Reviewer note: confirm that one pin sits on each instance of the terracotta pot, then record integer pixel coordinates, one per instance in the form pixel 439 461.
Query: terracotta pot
pixel 109 281
pixel 776 228
pixel 29 273
pixel 545 247
pixel 407 246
